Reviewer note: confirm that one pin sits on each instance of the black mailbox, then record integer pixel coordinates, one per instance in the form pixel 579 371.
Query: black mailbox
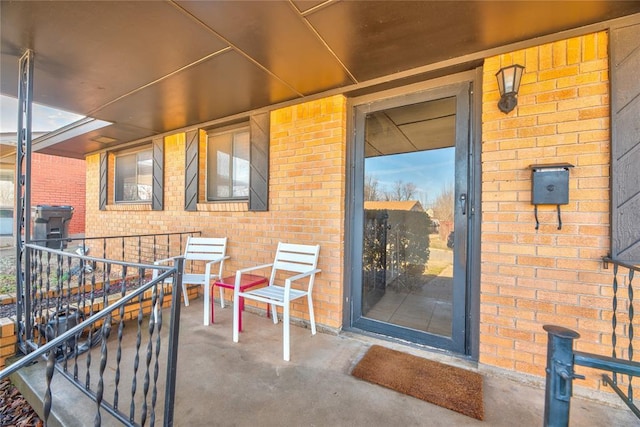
pixel 550 186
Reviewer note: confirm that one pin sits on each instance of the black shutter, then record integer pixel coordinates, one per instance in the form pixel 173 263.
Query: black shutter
pixel 191 171
pixel 102 192
pixel 259 174
pixel 625 143
pixel 158 175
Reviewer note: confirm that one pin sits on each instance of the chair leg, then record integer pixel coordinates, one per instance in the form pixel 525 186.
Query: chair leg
pixel 157 307
pixel 241 303
pixel 312 319
pixel 274 313
pixel 285 331
pixel 184 295
pixel 236 317
pixel 207 303
pixel 221 296
pixel 213 304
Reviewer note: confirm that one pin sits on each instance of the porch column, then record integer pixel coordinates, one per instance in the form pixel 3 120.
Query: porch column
pixel 23 193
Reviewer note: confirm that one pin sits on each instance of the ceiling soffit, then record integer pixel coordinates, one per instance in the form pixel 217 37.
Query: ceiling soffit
pixel 277 37
pixel 416 127
pixel 154 67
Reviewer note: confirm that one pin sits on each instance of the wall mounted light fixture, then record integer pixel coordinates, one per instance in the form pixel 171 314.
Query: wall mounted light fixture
pixel 508 84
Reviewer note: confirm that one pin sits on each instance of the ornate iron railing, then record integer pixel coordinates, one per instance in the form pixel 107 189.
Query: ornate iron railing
pixel 75 303
pixel 138 248
pixel 41 282
pixel 561 357
pixel 622 321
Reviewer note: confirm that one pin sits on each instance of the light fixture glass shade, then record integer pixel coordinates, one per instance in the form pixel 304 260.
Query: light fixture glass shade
pixel 508 85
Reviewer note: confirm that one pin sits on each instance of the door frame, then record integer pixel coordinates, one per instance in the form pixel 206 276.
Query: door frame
pixel 445 85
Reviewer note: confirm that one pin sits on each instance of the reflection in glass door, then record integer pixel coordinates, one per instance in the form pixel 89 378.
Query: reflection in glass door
pixel 413 237
pixel 408 240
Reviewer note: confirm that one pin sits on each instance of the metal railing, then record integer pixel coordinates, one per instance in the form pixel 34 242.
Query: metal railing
pixel 43 278
pixel 622 320
pixel 68 328
pixel 138 248
pixel 68 304
pixel 561 357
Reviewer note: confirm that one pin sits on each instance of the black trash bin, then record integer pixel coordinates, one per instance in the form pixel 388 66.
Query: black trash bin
pixel 52 222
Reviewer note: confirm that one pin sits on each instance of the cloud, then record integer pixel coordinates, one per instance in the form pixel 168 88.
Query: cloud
pixel 44 119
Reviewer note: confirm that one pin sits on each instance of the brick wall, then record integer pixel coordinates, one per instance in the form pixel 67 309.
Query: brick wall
pixel 8 340
pixel 548 276
pixel 59 181
pixel 306 201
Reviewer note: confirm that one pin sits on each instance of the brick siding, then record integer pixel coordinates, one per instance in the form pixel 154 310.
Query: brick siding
pixel 306 198
pixel 8 340
pixel 548 276
pixel 59 181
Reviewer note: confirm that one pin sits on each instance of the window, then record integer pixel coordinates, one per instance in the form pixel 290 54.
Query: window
pixel 134 177
pixel 228 164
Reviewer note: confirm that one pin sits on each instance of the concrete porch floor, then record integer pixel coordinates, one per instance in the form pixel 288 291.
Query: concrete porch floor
pixel 221 383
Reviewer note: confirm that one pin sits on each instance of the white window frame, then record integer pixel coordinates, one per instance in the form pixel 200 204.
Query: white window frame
pixel 234 130
pixel 120 192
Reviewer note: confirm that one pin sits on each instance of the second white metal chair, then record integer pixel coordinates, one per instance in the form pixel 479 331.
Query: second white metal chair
pixel 211 250
pixel 294 263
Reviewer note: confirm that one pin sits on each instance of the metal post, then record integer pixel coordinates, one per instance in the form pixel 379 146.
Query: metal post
pixel 174 333
pixel 560 375
pixel 23 197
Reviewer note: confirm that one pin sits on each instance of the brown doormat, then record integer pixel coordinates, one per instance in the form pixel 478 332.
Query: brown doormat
pixel 453 388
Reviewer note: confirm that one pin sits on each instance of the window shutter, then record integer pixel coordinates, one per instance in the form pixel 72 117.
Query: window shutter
pixel 259 155
pixel 625 143
pixel 157 201
pixel 191 171
pixel 102 192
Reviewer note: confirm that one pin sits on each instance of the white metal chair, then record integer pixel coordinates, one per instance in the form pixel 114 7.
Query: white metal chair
pixel 211 250
pixel 289 260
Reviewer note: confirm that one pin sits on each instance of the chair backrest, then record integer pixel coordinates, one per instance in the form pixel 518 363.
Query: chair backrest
pixel 205 248
pixel 295 258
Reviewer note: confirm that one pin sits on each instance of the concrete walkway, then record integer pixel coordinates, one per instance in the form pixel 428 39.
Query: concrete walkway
pixel 221 383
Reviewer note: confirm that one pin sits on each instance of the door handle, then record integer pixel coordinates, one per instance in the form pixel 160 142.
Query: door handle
pixel 463 203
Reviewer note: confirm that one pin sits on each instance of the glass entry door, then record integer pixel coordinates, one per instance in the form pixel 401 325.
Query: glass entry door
pixel 412 189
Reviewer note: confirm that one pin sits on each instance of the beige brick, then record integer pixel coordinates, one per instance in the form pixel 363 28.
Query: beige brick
pixel 7 327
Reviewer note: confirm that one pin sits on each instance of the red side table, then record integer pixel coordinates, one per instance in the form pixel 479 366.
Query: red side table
pixel 246 281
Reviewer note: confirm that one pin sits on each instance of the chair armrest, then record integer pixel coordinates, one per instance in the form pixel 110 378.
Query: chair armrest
pixel 310 273
pixel 213 261
pixel 257 267
pixel 162 261
pixel 166 260
pixel 207 268
pixel 301 275
pixel 239 273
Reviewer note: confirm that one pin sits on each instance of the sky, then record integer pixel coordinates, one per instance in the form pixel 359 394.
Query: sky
pixel 431 171
pixel 44 119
